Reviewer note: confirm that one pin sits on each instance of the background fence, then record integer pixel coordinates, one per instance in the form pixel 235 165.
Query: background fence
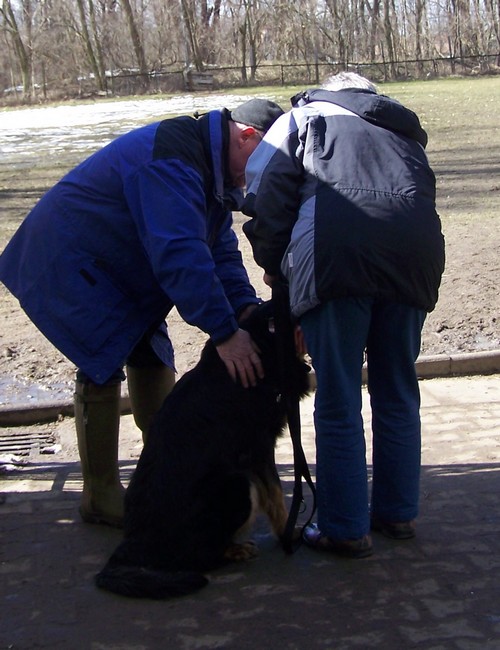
pixel 280 74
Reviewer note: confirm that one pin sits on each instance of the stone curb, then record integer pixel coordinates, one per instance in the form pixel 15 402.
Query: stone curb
pixel 26 414
pixel 430 367
pixel 457 365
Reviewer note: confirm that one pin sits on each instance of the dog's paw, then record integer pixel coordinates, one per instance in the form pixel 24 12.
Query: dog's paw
pixel 240 552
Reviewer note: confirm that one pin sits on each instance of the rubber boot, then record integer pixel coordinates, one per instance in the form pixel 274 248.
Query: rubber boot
pixel 97 419
pixel 147 389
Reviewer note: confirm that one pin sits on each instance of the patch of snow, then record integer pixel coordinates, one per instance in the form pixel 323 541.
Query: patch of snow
pixel 86 127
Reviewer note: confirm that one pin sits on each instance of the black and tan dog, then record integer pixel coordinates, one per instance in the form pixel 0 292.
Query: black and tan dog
pixel 206 469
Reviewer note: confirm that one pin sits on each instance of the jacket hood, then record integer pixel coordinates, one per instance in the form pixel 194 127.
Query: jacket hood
pixel 377 109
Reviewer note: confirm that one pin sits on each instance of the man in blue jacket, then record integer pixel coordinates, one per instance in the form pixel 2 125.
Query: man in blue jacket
pixel 342 200
pixel 141 226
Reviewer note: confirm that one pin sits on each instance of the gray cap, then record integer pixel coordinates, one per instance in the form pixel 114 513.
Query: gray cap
pixel 259 113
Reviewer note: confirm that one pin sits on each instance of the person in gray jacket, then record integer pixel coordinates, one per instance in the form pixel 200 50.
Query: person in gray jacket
pixel 342 204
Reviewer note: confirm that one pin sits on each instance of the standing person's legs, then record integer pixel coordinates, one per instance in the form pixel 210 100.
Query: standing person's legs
pixel 149 378
pixel 392 349
pixel 148 386
pixel 97 422
pixel 335 335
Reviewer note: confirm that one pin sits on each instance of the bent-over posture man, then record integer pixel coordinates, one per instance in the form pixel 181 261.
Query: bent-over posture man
pixel 142 225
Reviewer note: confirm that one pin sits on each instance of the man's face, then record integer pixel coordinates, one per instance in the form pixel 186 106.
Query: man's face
pixel 243 140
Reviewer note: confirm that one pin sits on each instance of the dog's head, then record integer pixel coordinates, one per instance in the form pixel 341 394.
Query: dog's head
pixel 282 365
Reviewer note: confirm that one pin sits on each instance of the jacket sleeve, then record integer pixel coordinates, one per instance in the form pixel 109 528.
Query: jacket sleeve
pixel 274 175
pixel 230 268
pixel 167 199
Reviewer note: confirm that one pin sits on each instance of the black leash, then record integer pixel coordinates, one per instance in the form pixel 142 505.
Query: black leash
pixel 285 341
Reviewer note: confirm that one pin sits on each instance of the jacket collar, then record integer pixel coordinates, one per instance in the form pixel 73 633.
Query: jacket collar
pixel 216 127
pixel 377 109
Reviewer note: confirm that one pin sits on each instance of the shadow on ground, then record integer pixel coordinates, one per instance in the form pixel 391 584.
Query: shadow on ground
pixel 438 591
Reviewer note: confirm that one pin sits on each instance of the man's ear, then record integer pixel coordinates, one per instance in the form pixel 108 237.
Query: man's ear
pixel 247 132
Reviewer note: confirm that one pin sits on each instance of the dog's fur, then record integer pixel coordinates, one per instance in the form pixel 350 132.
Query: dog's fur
pixel 206 468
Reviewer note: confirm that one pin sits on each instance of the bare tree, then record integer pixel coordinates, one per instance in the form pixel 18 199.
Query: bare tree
pixel 190 23
pixel 336 8
pixel 252 21
pixel 461 34
pixel 374 28
pixel 419 20
pixel 493 12
pixel 165 43
pixel 210 23
pixel 390 57
pixel 141 36
pixel 91 43
pixel 21 41
pixel 137 43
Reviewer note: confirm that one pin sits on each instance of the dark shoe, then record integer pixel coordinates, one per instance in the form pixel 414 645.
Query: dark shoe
pixel 351 548
pixel 396 530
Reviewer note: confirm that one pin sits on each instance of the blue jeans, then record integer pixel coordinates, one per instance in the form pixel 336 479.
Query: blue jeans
pixel 337 335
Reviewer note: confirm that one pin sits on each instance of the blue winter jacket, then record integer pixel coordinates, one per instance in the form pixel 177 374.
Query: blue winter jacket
pixel 142 225
pixel 343 202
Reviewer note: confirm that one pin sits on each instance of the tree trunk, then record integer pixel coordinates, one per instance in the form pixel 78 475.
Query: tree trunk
pixel 22 49
pixel 389 38
pixel 98 45
pixel 190 23
pixel 137 44
pixel 419 17
pixel 89 48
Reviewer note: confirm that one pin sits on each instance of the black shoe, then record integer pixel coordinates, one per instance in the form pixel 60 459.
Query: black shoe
pixel 350 548
pixel 395 530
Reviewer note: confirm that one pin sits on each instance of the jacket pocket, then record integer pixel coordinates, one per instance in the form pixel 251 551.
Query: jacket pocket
pixel 89 307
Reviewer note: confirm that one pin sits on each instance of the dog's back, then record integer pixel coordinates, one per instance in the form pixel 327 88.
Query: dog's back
pixel 191 490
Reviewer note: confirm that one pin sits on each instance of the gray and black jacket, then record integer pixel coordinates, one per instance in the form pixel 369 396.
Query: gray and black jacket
pixel 342 200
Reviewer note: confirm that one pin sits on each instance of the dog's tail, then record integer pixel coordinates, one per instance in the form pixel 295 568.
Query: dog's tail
pixel 139 582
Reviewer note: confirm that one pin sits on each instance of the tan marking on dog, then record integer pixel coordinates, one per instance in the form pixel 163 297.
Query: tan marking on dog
pixel 272 504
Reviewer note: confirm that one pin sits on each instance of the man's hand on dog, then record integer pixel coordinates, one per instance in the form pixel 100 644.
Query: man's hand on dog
pixel 300 343
pixel 241 357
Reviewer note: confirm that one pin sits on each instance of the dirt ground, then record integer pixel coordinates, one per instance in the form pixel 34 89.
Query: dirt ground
pixel 465 320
